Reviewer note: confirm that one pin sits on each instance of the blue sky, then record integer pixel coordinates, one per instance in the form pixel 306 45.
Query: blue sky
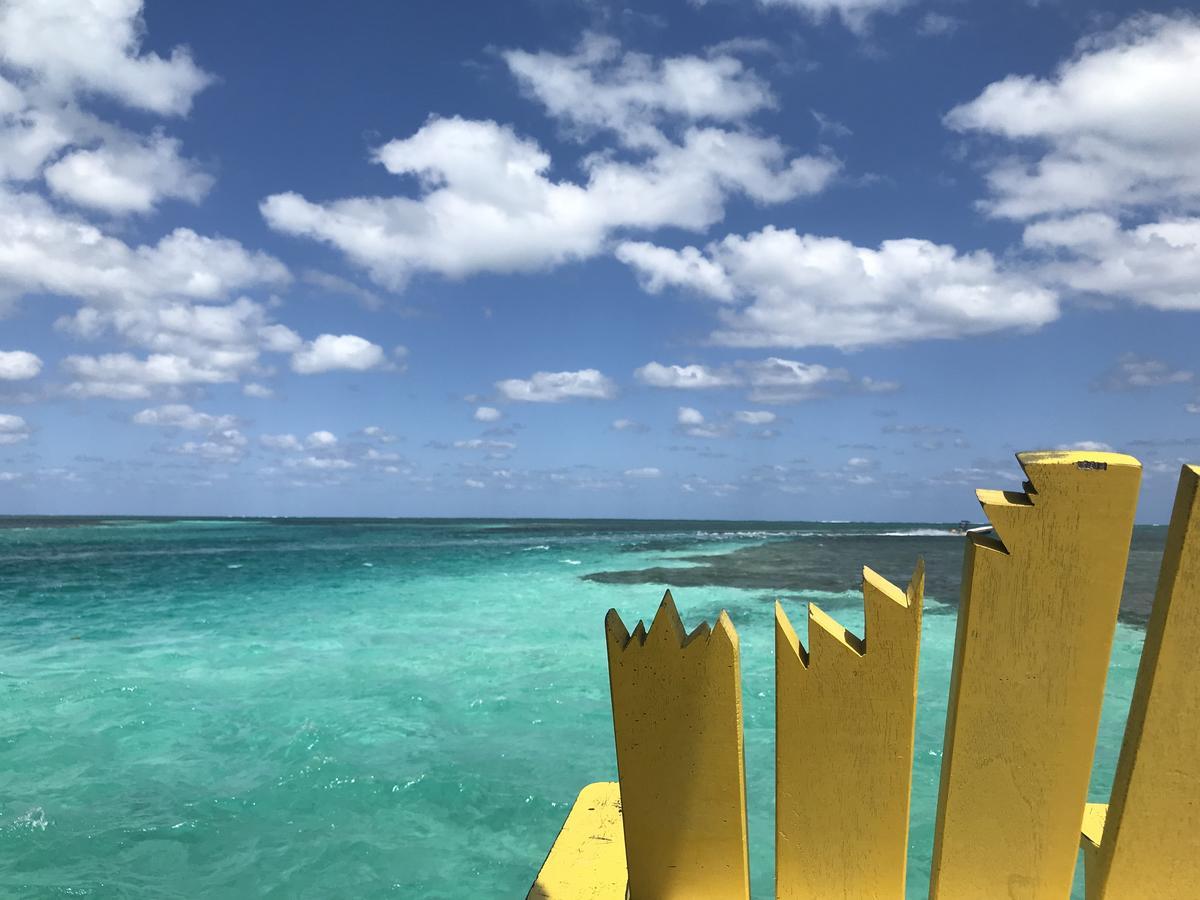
pixel 785 259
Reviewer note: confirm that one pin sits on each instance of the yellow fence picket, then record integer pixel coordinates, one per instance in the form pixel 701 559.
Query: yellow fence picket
pixel 1035 626
pixel 1148 845
pixel 677 715
pixel 845 713
pixel 587 861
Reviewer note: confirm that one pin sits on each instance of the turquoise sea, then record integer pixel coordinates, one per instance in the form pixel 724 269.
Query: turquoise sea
pixel 321 708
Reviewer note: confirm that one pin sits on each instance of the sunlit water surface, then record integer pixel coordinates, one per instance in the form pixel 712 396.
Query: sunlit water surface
pixel 316 709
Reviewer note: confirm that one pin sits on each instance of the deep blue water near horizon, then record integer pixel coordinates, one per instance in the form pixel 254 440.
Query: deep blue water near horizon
pixel 314 708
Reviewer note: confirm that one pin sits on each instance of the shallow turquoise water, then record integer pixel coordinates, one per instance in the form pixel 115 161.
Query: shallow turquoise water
pixel 365 709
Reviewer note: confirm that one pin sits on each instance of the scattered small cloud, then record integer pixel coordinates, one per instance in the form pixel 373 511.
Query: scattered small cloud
pixel 1132 372
pixel 180 415
pixel 691 422
pixel 755 417
pixel 13 429
pixel 555 387
pixel 280 442
pixel 629 425
pixel 321 440
pixel 1096 446
pixel 337 351
pixel 19 365
pixel 691 377
pixel 257 391
pixel 828 127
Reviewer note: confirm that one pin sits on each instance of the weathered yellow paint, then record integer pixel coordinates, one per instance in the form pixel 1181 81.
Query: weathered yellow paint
pixel 844 717
pixel 1149 844
pixel 677 715
pixel 1090 834
pixel 1035 626
pixel 587 861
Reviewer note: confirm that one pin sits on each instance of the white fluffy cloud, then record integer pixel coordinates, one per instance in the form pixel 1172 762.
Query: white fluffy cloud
pixel 226 445
pixel 691 422
pixel 176 299
pixel 321 440
pixel 280 442
pixel 486 203
pixel 19 365
pixel 554 387
pixel 13 429
pixel 337 351
pixel 598 86
pixel 800 290
pixel 180 415
pixel 191 344
pixel 1114 127
pixel 770 380
pixel 775 380
pixel 662 267
pixel 687 377
pixel 61 55
pixel 1156 264
pixel 43 251
pixel 127 176
pixel 123 376
pixel 487 414
pixel 169 298
pixel 68 47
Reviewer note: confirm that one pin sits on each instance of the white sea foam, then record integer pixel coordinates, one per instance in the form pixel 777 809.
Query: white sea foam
pixel 921 532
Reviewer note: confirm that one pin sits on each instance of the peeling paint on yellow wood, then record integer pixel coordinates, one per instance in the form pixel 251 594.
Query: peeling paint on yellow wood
pixel 845 712
pixel 677 715
pixel 587 861
pixel 1149 843
pixel 1035 625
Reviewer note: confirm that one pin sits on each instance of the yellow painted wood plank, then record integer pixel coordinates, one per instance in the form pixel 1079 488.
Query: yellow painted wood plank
pixel 587 861
pixel 677 716
pixel 845 714
pixel 1035 626
pixel 1091 832
pixel 1149 844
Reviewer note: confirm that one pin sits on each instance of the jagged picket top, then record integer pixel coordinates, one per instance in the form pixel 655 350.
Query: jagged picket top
pixel 1034 630
pixel 677 716
pixel 1035 626
pixel 845 715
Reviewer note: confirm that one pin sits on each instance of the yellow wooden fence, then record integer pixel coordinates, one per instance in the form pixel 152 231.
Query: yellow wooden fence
pixel 1036 619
